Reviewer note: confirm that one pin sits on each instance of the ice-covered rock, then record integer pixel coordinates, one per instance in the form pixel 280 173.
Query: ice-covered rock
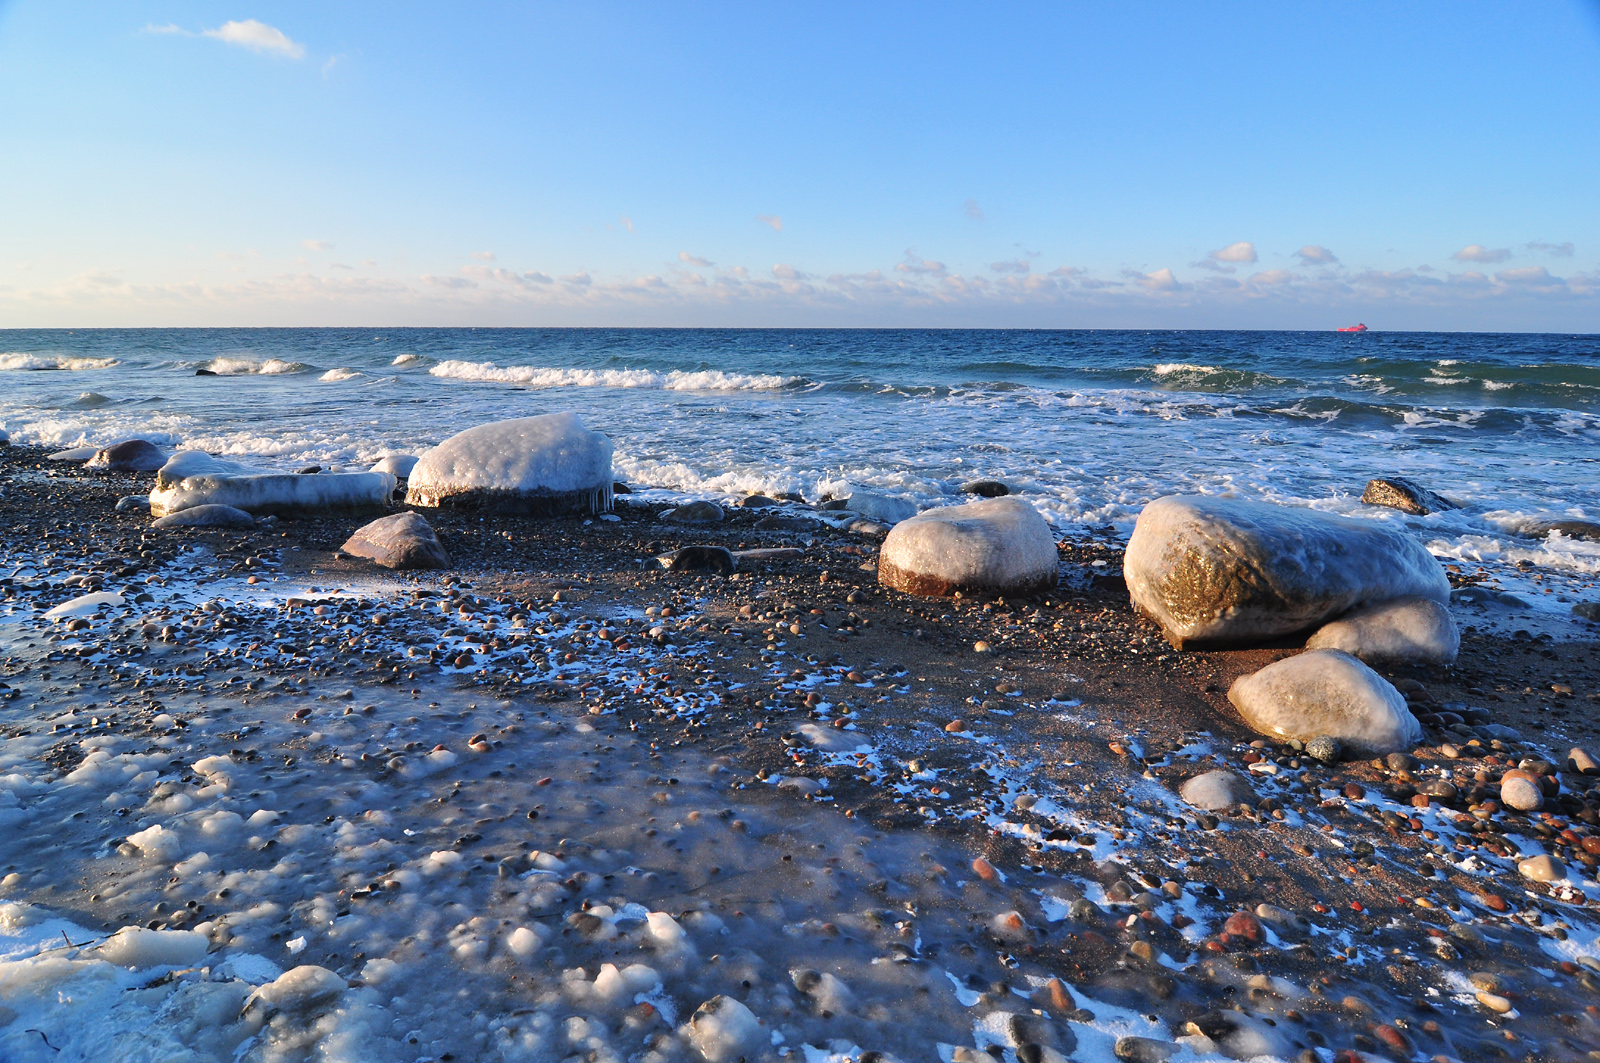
pixel 996 546
pixel 1572 529
pixel 1326 692
pixel 85 605
pixel 190 479
pixel 1220 571
pixel 1401 494
pixel 134 946
pixel 207 516
pixel 723 1030
pixel 1414 630
pixel 399 541
pixel 130 455
pixel 1218 790
pixel 701 512
pixel 397 465
pixel 301 990
pixel 133 504
pixel 77 455
pixel 545 465
pixel 874 505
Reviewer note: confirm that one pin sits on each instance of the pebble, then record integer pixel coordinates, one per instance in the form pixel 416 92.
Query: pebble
pixel 1242 930
pixel 982 647
pixel 1542 868
pixel 1143 1050
pixel 1494 1002
pixel 1521 794
pixel 1325 748
pixel 1580 761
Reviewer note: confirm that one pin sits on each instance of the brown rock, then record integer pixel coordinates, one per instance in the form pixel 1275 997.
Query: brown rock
pixel 400 541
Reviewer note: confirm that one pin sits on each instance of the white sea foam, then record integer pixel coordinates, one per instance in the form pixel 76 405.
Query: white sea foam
pixel 248 367
pixel 675 380
pixel 1169 368
pixel 17 360
pixel 406 359
pixel 335 375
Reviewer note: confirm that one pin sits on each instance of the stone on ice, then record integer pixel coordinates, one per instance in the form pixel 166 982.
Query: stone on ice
pixel 399 541
pixel 1326 692
pixel 1217 790
pixel 996 546
pixel 397 465
pixel 1219 571
pixel 546 465
pixel 130 455
pixel 1401 494
pixel 207 516
pixel 1412 630
pixel 85 605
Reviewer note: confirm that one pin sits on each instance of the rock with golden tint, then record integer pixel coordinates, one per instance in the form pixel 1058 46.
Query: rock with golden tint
pixel 1403 631
pixel 1326 692
pixel 996 546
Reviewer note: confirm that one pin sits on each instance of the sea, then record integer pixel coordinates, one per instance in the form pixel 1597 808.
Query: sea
pixel 1087 425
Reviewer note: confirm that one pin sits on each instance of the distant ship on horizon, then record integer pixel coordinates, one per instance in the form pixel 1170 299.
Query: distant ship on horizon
pixel 1353 328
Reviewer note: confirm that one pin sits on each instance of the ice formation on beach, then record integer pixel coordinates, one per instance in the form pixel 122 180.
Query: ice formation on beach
pixel 1326 692
pixel 996 546
pixel 1414 630
pixel 178 488
pixel 546 464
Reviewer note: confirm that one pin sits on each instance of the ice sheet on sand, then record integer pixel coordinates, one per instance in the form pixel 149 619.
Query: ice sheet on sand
pixel 1227 570
pixel 545 464
pixel 86 604
pixel 274 492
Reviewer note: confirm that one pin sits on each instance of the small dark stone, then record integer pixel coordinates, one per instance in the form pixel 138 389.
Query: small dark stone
pixel 717 559
pixel 620 488
pixel 1401 494
pixel 985 488
pixel 309 469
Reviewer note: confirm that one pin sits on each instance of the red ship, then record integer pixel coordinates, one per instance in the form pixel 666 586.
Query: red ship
pixel 1354 328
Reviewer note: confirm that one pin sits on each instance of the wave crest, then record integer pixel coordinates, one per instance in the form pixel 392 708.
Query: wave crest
pixel 247 367
pixel 675 380
pixel 18 360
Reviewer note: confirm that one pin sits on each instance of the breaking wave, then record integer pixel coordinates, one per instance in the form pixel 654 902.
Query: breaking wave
pixel 676 380
pixel 44 361
pixel 247 367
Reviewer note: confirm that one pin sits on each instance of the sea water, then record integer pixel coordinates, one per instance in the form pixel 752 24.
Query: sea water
pixel 1087 425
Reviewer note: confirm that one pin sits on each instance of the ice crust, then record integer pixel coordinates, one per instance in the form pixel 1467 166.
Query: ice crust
pixel 85 605
pixel 1326 692
pixel 1227 570
pixel 546 464
pixel 263 493
pixel 397 465
pixel 996 546
pixel 1413 630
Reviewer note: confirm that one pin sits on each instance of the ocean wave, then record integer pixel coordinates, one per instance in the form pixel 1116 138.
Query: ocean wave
pixel 406 359
pixel 334 375
pixel 1192 377
pixel 18 360
pixel 249 367
pixel 675 380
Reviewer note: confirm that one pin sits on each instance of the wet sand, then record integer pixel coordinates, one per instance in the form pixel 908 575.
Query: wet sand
pixel 810 775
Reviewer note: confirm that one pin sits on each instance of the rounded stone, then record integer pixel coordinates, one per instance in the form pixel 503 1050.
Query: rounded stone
pixel 996 546
pixel 1542 868
pixel 1326 692
pixel 1217 790
pixel 1325 748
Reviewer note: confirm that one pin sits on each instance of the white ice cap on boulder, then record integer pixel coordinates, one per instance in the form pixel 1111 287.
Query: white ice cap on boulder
pixel 1409 630
pixel 1326 692
pixel 996 546
pixel 549 464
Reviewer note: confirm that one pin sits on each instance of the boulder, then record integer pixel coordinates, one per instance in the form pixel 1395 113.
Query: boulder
pixel 1408 497
pixel 756 502
pixel 1572 529
pixel 697 513
pixel 547 466
pixel 5 438
pixel 887 509
pixel 1224 571
pixel 1406 630
pixel 77 455
pixel 1216 791
pixel 985 488
pixel 207 516
pixel 397 465
pixel 399 541
pixel 996 546
pixel 130 455
pixel 133 504
pixel 1326 692
pixel 187 463
pixel 700 559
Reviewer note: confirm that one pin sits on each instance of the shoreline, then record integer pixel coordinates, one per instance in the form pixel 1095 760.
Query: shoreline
pixel 1054 758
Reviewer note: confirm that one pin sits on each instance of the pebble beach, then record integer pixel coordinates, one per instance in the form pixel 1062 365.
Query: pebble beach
pixel 255 809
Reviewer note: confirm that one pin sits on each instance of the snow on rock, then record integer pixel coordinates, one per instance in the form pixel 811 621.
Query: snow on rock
pixel 1218 790
pixel 399 541
pixel 130 455
pixel 1326 692
pixel 74 454
pixel 1410 630
pixel 157 842
pixel 134 946
pixel 723 1030
pixel 301 990
pixel 208 516
pixel 187 463
pixel 996 546
pixel 85 605
pixel 257 492
pixel 396 465
pixel 544 465
pixel 1219 570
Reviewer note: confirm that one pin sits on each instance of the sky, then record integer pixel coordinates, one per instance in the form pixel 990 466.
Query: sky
pixel 1182 165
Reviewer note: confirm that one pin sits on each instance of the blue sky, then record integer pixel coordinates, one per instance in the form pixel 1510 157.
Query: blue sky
pixel 1166 165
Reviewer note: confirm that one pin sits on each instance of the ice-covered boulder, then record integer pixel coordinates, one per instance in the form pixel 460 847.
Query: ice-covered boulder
pixel 130 455
pixel 1411 630
pixel 1326 692
pixel 207 516
pixel 399 541
pixel 1404 495
pixel 397 465
pixel 546 465
pixel 192 478
pixel 996 546
pixel 1223 570
pixel 725 1031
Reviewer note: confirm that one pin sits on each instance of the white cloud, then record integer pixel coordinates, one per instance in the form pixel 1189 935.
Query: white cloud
pixel 694 260
pixel 1316 255
pixel 578 280
pixel 972 210
pixel 787 273
pixel 1243 251
pixel 916 264
pixel 1553 250
pixel 772 220
pixel 1479 253
pixel 315 245
pixel 482 256
pixel 171 28
pixel 1161 280
pixel 448 282
pixel 627 223
pixel 258 37
pixel 1015 265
